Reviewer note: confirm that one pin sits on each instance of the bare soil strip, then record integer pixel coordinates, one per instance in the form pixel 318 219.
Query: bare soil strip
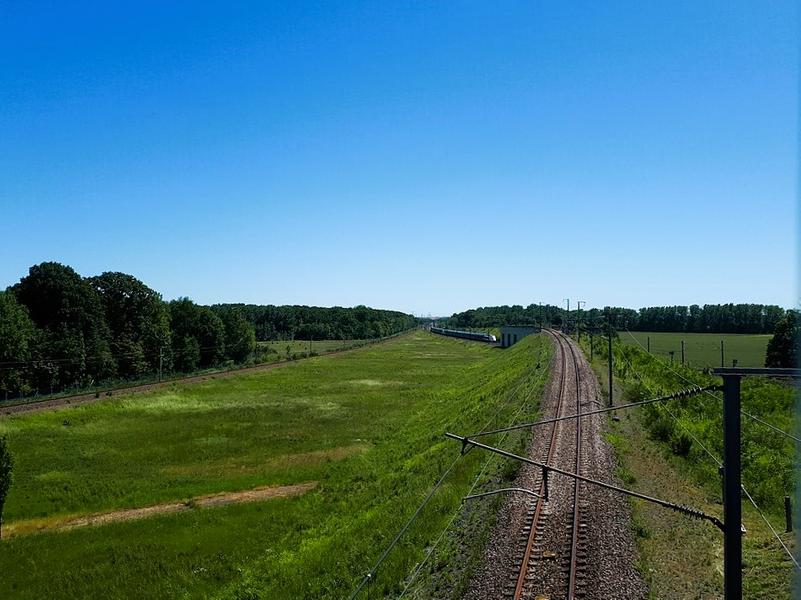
pixel 67 522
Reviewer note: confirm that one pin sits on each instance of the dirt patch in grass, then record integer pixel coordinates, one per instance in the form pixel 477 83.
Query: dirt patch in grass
pixel 258 494
pixel 374 382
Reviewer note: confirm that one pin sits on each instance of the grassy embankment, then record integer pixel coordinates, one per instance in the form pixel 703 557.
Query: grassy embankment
pixel 366 426
pixel 703 349
pixel 678 557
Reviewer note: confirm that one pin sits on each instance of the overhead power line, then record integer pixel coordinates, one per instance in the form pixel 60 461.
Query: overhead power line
pixel 720 464
pixel 747 414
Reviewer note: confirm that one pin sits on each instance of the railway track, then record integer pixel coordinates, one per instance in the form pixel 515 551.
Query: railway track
pixel 575 541
pixel 553 543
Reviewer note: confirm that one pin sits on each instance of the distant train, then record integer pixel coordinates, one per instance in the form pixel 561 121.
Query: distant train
pixel 468 335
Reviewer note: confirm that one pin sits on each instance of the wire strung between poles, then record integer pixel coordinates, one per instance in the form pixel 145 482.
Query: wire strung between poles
pixel 750 416
pixel 681 394
pixel 715 459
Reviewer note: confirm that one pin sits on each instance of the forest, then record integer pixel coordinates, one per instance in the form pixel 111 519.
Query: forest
pixel 318 323
pixel 709 318
pixel 59 330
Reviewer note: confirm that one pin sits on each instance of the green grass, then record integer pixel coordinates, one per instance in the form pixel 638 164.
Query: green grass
pixel 366 425
pixel 703 349
pixel 656 450
pixel 302 346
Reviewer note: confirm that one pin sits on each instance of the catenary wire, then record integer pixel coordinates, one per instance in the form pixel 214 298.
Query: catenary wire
pixel 745 491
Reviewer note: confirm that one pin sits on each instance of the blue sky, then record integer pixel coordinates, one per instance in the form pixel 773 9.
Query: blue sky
pixel 428 157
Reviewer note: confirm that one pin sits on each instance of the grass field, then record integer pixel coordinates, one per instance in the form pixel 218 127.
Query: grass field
pixel 366 427
pixel 703 349
pixel 318 347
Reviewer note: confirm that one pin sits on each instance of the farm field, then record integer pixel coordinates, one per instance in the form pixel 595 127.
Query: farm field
pixel 703 349
pixel 357 438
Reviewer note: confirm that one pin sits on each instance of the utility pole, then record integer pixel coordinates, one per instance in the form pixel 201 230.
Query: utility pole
pixel 732 479
pixel 578 318
pixel 610 359
pixel 567 318
pixel 732 509
pixel 591 345
pixel 161 360
pixel 649 344
pixel 682 352
pixel 722 364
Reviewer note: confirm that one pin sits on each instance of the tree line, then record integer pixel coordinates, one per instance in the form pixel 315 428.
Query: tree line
pixel 318 323
pixel 709 318
pixel 60 330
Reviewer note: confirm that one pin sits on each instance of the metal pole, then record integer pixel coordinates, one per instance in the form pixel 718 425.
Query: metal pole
pixel 722 364
pixel 649 344
pixel 682 352
pixel 788 514
pixel 610 363
pixel 161 359
pixel 732 510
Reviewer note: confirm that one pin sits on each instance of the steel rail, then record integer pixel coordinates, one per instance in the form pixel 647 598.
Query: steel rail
pixel 688 510
pixel 571 584
pixel 521 577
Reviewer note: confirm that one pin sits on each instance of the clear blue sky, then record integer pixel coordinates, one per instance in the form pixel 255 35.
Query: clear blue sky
pixel 424 156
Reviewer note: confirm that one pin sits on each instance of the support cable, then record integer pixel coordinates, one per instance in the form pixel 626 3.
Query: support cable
pixel 720 465
pixel 371 574
pixel 749 415
pixel 773 427
pixel 772 530
pixel 711 455
pixel 687 510
pixel 472 487
pixel 681 394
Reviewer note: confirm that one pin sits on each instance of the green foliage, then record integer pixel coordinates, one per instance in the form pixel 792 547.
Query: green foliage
pixel 70 313
pixel 782 349
pixel 317 323
pixel 767 457
pixel 191 321
pixel 18 339
pixel 138 320
pixel 240 335
pixel 186 353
